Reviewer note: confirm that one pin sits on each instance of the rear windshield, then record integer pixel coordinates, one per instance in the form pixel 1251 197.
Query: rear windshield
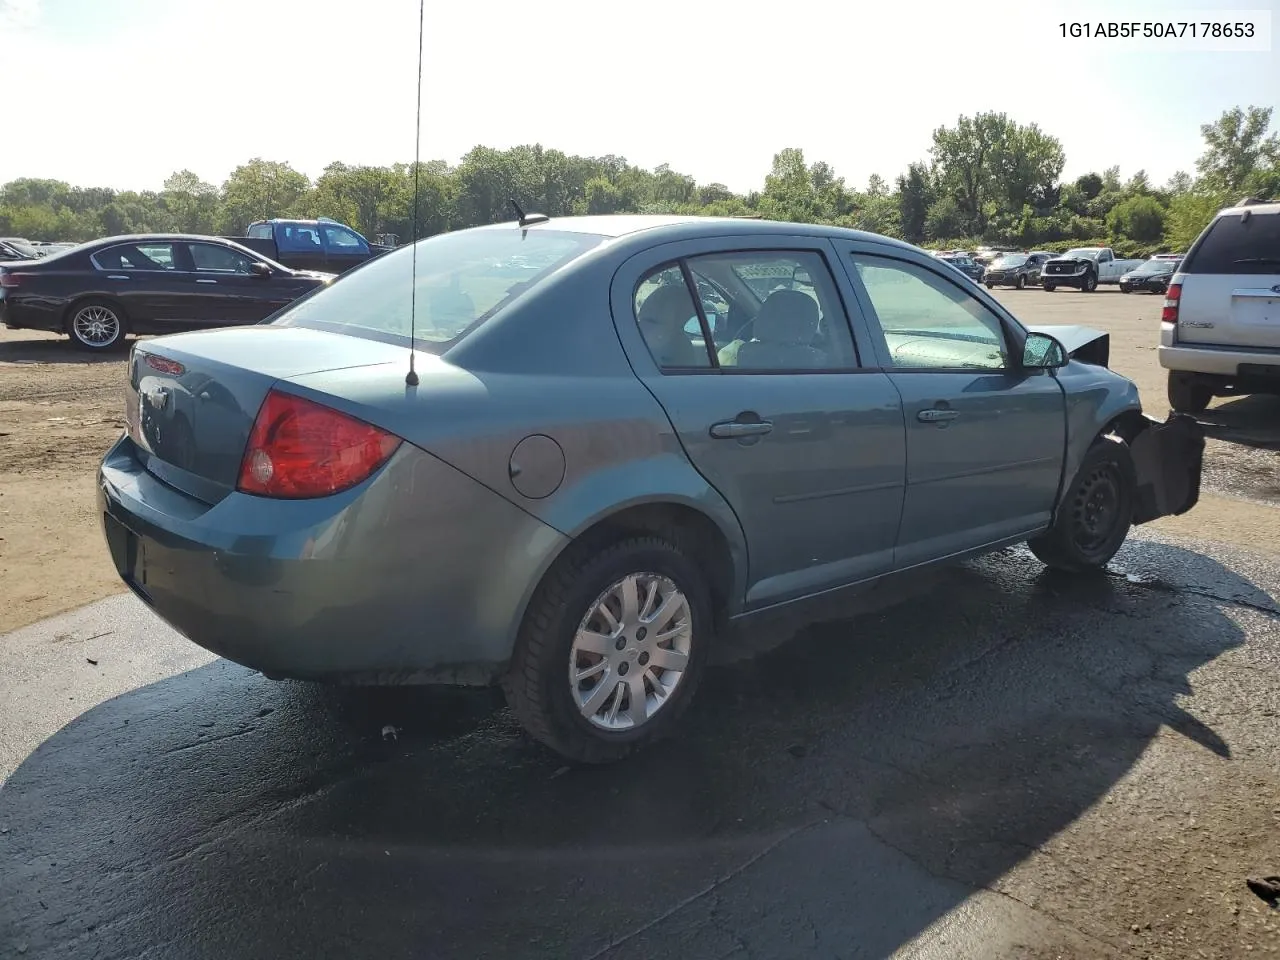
pixel 1157 266
pixel 1233 244
pixel 463 279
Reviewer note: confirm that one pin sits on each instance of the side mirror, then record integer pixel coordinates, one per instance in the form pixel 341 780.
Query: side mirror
pixel 259 269
pixel 1043 352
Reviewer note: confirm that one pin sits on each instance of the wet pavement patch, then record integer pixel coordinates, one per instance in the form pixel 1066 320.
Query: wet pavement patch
pixel 837 796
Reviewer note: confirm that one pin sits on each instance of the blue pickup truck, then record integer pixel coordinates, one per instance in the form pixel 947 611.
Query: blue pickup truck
pixel 323 244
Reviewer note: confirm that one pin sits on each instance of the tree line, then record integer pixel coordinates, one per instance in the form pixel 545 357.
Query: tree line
pixel 988 179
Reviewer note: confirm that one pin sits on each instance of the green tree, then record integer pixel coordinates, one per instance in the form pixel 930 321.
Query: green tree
pixel 1140 218
pixel 259 190
pixel 191 203
pixel 1236 148
pixel 915 194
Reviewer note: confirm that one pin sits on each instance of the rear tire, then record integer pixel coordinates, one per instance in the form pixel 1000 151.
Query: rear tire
pixel 564 623
pixel 1188 393
pixel 1095 514
pixel 97 326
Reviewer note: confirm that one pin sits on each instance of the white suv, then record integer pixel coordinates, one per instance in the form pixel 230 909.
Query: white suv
pixel 1220 329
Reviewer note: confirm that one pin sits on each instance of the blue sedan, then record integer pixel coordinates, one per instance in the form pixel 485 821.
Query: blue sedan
pixel 571 456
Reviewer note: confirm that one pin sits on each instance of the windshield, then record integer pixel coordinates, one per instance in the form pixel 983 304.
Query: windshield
pixel 20 246
pixel 1157 267
pixel 1090 253
pixel 1010 261
pixel 463 278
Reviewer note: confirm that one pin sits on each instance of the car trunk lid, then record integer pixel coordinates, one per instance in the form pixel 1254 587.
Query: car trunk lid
pixel 192 397
pixel 1230 311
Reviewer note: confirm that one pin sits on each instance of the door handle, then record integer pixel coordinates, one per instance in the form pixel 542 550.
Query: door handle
pixel 737 429
pixel 206 281
pixel 116 276
pixel 935 415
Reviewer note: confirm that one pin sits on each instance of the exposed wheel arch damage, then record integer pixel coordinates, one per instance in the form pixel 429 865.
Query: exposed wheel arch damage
pixel 1167 458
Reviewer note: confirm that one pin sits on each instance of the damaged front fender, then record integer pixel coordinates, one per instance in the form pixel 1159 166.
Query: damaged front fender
pixel 1167 460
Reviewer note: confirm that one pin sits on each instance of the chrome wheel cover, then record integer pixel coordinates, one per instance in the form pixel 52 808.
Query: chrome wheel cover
pixel 631 651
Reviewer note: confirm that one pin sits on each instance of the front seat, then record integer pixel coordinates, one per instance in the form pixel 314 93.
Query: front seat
pixel 662 319
pixel 784 330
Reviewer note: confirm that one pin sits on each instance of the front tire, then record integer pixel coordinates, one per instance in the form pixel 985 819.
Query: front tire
pixel 1020 282
pixel 1050 287
pixel 991 286
pixel 1089 283
pixel 611 649
pixel 1095 515
pixel 97 326
pixel 1188 393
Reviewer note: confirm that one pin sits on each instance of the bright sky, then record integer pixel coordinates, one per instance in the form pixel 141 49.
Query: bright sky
pixel 121 93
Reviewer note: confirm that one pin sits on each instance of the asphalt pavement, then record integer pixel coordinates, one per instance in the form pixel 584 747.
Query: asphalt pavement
pixel 967 774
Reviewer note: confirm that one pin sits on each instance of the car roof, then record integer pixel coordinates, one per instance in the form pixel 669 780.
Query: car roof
pixel 679 226
pixel 163 238
pixel 1254 209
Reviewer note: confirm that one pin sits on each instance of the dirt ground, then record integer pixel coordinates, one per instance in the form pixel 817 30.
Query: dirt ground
pixel 61 409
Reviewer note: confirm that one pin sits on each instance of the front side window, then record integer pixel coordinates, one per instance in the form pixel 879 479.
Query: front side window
pixel 136 256
pixel 929 322
pixel 462 279
pixel 342 240
pixel 214 258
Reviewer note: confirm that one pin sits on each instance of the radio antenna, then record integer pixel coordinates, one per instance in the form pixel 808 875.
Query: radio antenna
pixel 411 378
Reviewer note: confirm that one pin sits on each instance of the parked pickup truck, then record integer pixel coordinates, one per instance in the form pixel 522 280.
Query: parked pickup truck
pixel 323 244
pixel 1085 268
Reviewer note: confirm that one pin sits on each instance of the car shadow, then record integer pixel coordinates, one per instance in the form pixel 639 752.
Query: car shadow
pixel 55 350
pixel 1252 421
pixel 850 787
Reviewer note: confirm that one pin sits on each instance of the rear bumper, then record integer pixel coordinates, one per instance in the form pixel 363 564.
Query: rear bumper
pixel 418 575
pixel 1216 361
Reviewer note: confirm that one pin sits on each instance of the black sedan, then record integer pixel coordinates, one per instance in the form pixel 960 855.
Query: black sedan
pixel 1153 276
pixel 1015 270
pixel 99 292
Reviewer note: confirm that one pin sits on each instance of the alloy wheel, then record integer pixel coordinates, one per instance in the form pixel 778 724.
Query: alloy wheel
pixel 96 326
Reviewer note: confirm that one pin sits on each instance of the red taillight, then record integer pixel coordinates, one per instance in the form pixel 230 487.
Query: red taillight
pixel 299 449
pixel 1170 312
pixel 9 280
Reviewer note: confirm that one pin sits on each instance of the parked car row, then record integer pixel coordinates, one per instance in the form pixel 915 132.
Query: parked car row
pixel 99 292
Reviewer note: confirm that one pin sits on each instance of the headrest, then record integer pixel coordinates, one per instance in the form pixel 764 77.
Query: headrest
pixel 669 304
pixel 787 316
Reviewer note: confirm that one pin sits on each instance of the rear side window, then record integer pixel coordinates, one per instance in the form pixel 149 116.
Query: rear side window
pixel 260 231
pixel 463 278
pixel 299 238
pixel 1235 244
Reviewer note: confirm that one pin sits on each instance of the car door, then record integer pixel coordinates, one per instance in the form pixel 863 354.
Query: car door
pixel 343 248
pixel 985 438
pixel 300 246
pixel 774 410
pixel 230 293
pixel 147 278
